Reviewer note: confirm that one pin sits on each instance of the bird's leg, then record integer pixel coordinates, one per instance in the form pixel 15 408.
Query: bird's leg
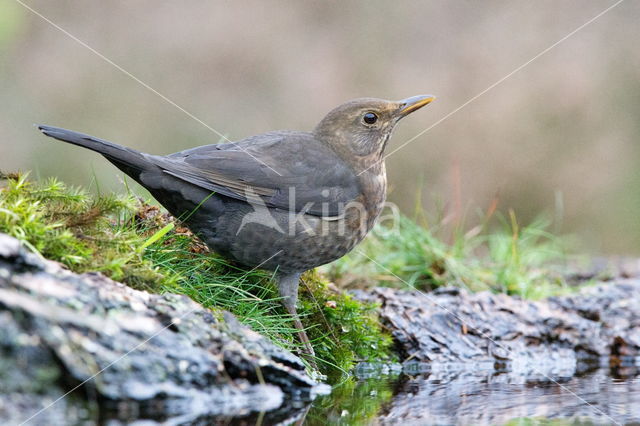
pixel 288 288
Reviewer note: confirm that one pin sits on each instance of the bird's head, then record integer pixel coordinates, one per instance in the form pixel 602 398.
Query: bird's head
pixel 363 126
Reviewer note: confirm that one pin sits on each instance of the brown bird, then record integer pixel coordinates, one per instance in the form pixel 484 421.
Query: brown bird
pixel 284 201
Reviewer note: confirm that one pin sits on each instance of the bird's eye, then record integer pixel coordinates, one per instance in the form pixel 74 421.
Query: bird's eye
pixel 370 118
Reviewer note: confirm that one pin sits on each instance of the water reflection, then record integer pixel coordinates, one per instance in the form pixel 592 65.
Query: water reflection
pixel 600 396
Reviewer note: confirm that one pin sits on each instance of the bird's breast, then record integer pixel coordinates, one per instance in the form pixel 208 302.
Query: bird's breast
pixel 374 193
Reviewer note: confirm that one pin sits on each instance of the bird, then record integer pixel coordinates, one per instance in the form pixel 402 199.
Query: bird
pixel 284 201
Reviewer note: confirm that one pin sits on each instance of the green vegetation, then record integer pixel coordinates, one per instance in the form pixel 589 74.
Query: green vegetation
pixel 514 259
pixel 68 226
pixel 137 244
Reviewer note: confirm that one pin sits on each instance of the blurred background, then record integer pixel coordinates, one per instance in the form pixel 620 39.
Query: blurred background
pixel 560 136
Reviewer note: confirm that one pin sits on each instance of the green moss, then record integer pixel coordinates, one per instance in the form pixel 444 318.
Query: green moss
pixel 82 232
pixel 342 330
pixel 139 245
pixel 347 330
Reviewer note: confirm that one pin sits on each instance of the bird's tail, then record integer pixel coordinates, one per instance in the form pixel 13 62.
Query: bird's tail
pixel 128 160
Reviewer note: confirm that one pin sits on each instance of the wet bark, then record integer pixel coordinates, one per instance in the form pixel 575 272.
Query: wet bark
pixel 131 353
pixel 452 326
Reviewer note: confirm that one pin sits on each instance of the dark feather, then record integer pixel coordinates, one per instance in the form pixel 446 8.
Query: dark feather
pixel 293 170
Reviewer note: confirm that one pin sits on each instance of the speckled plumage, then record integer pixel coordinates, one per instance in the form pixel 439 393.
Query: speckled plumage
pixel 284 201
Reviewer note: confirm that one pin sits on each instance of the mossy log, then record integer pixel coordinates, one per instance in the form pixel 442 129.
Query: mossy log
pixel 138 354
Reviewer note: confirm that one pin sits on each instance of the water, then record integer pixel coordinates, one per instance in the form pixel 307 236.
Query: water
pixel 478 397
pixel 453 395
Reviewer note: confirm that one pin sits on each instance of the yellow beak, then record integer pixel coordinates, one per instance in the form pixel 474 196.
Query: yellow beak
pixel 414 103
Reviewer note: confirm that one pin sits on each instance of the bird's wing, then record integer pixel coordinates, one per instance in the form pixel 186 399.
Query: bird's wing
pixel 287 170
